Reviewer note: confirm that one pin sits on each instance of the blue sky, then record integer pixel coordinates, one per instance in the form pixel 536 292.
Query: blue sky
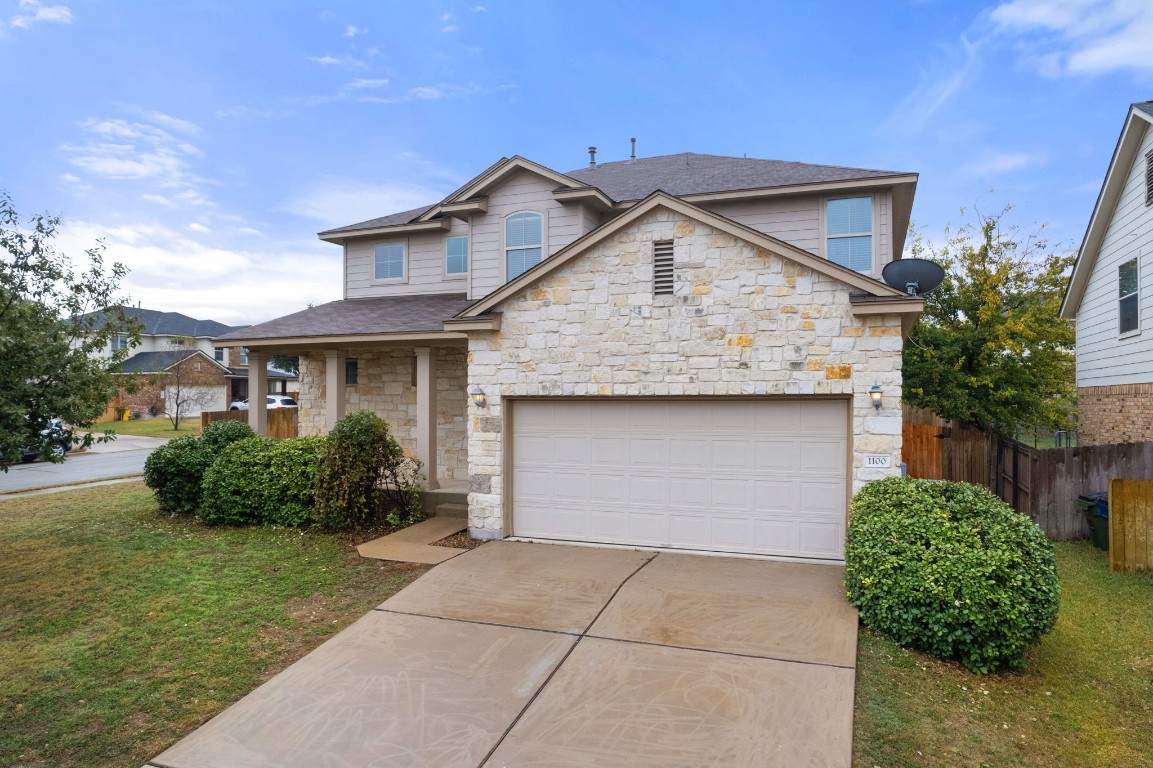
pixel 208 142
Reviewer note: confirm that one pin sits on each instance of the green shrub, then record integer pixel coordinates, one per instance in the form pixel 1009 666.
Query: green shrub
pixel 365 478
pixel 174 471
pixel 260 480
pixel 233 485
pixel 949 569
pixel 291 482
pixel 220 434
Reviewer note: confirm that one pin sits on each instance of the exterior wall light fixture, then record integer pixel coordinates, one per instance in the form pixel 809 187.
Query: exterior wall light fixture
pixel 875 393
pixel 477 395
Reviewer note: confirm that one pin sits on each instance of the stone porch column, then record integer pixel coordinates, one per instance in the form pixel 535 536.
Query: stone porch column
pixel 334 360
pixel 257 391
pixel 426 412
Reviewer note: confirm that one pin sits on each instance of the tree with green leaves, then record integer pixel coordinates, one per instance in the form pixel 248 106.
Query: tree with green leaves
pixel 57 323
pixel 991 348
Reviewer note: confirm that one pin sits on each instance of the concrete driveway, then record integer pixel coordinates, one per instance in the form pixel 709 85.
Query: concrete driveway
pixel 518 654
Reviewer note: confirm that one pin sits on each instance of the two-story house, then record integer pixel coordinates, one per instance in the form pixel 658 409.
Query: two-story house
pixel 174 343
pixel 1106 295
pixel 686 351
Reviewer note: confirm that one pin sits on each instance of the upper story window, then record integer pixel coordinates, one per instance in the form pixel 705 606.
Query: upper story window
pixel 389 261
pixel 119 341
pixel 244 355
pixel 849 232
pixel 456 255
pixel 1127 297
pixel 218 354
pixel 523 240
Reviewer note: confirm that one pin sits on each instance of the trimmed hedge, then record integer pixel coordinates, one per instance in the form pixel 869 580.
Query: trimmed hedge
pixel 260 480
pixel 175 470
pixel 950 569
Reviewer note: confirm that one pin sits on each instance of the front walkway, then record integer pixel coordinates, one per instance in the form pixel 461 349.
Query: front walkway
pixel 533 654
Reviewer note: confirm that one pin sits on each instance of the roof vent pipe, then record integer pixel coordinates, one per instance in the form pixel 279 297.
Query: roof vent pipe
pixel 592 157
pixel 633 156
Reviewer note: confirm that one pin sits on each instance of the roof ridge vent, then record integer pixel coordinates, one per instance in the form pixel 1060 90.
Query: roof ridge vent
pixel 592 157
pixel 633 156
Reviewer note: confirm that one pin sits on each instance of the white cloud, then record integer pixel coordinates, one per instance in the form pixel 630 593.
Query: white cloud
pixel 362 83
pixel 335 61
pixel 448 28
pixel 1080 37
pixel 936 87
pixel 324 60
pixel 432 93
pixel 36 14
pixel 339 202
pixel 996 163
pixel 479 9
pixel 182 271
pixel 352 31
pixel 198 227
pixel 446 16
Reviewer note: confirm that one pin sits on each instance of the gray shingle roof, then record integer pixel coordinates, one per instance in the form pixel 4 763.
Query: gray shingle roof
pixel 384 221
pixel 1145 106
pixel 158 323
pixel 350 317
pixel 155 362
pixel 683 174
pixel 692 174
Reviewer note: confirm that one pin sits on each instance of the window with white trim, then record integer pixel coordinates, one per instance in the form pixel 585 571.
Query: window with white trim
pixel 244 355
pixel 1128 303
pixel 456 255
pixel 119 341
pixel 849 232
pixel 218 354
pixel 388 261
pixel 523 241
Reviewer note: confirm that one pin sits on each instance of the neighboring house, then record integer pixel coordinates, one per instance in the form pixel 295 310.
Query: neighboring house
pixel 187 378
pixel 671 351
pixel 173 332
pixel 1108 295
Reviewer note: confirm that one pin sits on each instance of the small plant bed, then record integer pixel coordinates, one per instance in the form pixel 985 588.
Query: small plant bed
pixel 459 541
pixel 1084 697
pixel 126 628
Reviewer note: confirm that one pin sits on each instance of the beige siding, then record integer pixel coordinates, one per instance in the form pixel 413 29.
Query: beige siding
pixel 1104 359
pixel 425 255
pixel 794 220
pixel 523 191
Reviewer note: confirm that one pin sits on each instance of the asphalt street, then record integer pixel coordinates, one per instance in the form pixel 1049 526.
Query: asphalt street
pixel 122 457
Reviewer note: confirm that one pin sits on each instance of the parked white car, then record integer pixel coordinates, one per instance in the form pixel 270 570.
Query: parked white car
pixel 273 401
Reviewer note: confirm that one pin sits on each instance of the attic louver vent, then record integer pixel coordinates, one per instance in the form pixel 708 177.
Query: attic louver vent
pixel 1149 177
pixel 663 267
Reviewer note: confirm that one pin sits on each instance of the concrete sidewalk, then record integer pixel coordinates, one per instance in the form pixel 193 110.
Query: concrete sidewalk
pixel 533 654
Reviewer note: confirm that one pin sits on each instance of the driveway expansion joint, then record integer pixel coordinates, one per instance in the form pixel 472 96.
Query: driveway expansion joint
pixel 481 623
pixel 783 659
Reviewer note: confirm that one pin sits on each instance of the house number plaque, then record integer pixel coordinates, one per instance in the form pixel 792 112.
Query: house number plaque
pixel 879 461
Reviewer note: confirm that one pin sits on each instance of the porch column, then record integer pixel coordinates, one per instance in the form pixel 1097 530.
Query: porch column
pixel 257 389
pixel 426 412
pixel 334 360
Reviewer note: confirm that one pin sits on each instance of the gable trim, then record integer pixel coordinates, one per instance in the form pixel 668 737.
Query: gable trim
pixel 660 199
pixel 1124 154
pixel 493 174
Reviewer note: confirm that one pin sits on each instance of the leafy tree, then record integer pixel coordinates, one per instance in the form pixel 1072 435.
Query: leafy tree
pixel 991 348
pixel 290 363
pixel 54 349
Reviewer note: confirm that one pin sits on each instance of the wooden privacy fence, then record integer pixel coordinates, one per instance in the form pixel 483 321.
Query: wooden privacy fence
pixel 1130 525
pixel 282 422
pixel 1041 483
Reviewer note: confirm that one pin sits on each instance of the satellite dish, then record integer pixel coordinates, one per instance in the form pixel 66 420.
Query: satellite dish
pixel 915 277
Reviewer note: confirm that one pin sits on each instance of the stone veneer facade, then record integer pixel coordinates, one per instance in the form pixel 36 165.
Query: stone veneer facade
pixel 385 387
pixel 1121 413
pixel 741 321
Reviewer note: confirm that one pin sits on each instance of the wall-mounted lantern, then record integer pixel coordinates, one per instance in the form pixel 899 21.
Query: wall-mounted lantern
pixel 875 393
pixel 477 395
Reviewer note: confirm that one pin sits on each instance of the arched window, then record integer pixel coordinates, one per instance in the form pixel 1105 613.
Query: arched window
pixel 523 240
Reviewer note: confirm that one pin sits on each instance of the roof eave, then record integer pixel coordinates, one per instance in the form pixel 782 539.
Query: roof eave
pixel 1123 155
pixel 341 237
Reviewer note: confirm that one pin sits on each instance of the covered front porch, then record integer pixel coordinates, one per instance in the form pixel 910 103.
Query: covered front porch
pixel 421 391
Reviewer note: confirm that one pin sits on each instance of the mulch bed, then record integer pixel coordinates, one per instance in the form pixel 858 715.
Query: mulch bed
pixel 459 540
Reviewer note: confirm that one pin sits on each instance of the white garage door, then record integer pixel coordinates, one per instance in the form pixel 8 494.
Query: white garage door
pixel 765 476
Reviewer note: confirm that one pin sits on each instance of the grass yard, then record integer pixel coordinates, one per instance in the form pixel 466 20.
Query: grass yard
pixel 124 630
pixel 1085 699
pixel 158 427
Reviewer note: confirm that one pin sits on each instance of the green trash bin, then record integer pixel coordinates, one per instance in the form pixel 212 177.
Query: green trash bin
pixel 1095 506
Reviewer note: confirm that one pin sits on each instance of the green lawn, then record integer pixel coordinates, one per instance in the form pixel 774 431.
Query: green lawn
pixel 1085 699
pixel 122 630
pixel 158 427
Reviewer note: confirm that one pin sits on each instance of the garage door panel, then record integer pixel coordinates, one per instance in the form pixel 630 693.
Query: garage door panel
pixel 738 476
